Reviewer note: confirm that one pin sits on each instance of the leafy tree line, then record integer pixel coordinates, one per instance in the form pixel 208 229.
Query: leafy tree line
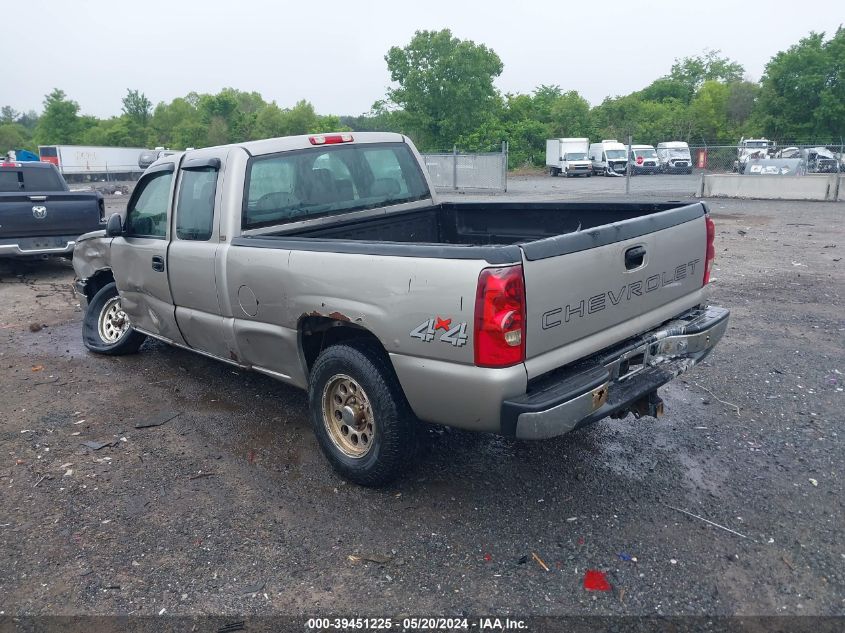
pixel 443 94
pixel 196 120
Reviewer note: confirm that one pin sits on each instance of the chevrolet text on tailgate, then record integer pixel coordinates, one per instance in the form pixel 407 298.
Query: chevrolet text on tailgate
pixel 328 263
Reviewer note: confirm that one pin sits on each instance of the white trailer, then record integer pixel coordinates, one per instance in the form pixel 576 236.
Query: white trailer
pixel 568 156
pixel 93 163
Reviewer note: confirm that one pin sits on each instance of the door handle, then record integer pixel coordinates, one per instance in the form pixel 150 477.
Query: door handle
pixel 158 263
pixel 634 257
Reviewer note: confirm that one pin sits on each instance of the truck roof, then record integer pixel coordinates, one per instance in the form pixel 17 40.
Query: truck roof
pixel 26 164
pixel 289 143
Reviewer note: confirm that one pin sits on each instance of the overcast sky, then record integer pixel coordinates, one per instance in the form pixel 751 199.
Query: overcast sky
pixel 332 53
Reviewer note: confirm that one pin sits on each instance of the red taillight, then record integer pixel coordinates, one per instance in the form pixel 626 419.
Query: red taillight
pixel 711 249
pixel 500 317
pixel 330 139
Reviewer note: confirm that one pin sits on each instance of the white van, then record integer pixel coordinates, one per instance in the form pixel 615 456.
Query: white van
pixel 674 157
pixel 644 159
pixel 568 156
pixel 608 158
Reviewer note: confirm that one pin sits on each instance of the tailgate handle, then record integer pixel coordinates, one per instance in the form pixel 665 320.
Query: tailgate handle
pixel 634 257
pixel 158 264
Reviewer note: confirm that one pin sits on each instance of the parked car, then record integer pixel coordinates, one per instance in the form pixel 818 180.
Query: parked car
pixel 327 262
pixel 568 156
pixel 608 158
pixel 674 157
pixel 644 160
pixel 39 216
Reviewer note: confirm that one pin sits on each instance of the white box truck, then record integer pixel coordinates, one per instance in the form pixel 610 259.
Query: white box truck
pixel 609 158
pixel 568 156
pixel 82 162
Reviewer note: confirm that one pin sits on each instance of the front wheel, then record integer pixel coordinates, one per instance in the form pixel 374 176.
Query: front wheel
pixel 362 421
pixel 106 328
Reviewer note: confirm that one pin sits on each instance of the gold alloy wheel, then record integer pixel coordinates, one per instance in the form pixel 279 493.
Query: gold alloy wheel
pixel 348 416
pixel 113 322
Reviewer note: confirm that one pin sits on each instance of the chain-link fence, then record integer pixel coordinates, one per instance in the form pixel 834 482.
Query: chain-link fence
pixel 456 171
pixel 760 157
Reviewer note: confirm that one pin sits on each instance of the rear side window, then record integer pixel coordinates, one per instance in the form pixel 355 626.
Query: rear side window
pixel 195 208
pixel 303 184
pixel 36 179
pixel 146 215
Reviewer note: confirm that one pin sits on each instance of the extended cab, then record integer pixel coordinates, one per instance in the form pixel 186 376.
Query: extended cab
pixel 39 216
pixel 328 263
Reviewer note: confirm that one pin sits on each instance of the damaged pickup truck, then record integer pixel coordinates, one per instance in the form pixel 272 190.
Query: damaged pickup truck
pixel 328 263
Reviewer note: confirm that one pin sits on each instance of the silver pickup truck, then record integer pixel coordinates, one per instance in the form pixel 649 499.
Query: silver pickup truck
pixel 327 262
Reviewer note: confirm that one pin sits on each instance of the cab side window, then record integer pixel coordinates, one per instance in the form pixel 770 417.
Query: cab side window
pixel 147 212
pixel 195 207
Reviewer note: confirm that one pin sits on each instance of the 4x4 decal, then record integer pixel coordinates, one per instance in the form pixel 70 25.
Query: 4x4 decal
pixel 454 334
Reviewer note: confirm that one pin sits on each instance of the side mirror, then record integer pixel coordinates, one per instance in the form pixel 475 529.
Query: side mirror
pixel 114 228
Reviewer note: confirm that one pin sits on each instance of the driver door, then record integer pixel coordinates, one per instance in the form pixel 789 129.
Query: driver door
pixel 139 257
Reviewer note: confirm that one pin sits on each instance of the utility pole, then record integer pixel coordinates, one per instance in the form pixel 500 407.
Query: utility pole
pixel 628 167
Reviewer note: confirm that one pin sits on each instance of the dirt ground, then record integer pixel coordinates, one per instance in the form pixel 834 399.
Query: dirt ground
pixel 228 508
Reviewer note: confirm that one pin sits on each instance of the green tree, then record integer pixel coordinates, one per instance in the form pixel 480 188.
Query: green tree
pixel 802 95
pixel 8 115
pixel 444 86
pixel 13 136
pixel 692 72
pixel 59 124
pixel 137 107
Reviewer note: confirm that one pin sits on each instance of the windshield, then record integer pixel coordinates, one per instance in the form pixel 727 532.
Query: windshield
pixel 762 144
pixel 679 153
pixel 645 153
pixel 575 156
pixel 304 184
pixel 615 153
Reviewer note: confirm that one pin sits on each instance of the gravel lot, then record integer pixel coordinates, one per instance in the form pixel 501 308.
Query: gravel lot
pixel 229 508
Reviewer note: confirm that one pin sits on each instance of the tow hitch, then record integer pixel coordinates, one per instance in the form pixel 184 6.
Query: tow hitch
pixel 649 405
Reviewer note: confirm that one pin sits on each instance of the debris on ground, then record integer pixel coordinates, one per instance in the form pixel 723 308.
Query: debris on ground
pixel 371 558
pixel 95 445
pixel 721 527
pixel 232 627
pixel 200 475
pixel 249 589
pixel 814 482
pixel 522 560
pixel 627 557
pixel 595 580
pixel 36 327
pixel 540 561
pixel 157 420
pixel 38 368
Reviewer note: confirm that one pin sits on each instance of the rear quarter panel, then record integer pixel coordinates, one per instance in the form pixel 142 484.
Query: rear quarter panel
pixel 392 297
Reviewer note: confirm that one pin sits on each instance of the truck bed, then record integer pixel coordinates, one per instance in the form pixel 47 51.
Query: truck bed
pixel 541 229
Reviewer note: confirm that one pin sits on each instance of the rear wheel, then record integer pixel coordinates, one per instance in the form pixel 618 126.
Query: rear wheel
pixel 360 416
pixel 106 328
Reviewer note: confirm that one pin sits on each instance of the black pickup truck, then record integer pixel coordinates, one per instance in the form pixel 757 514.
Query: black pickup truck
pixel 39 215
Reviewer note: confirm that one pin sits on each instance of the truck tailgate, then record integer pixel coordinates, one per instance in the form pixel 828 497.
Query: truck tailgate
pixel 590 289
pixel 64 213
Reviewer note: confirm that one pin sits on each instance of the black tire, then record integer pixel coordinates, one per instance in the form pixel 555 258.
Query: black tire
pixel 393 438
pixel 127 343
